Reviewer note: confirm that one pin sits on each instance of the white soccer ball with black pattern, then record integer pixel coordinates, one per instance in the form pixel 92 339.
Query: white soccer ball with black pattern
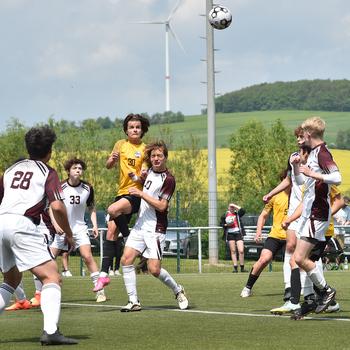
pixel 229 219
pixel 220 17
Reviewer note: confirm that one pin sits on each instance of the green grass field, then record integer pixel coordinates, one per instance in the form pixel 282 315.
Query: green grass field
pixel 228 123
pixel 217 319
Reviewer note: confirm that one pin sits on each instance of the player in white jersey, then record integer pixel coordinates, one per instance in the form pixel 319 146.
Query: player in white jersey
pixel 79 196
pixel 317 175
pixel 25 189
pixel 294 201
pixel 148 235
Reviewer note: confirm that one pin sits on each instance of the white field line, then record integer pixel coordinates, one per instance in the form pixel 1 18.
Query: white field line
pixel 209 312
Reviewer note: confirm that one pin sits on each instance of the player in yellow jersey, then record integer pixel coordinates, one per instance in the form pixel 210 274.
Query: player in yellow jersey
pixel 129 154
pixel 276 240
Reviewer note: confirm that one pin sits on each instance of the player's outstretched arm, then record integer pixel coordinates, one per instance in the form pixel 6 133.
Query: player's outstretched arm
pixel 260 224
pixel 279 188
pixel 159 204
pixel 93 217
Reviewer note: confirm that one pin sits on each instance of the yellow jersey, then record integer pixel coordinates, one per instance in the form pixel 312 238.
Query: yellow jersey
pixel 279 206
pixel 131 159
pixel 332 195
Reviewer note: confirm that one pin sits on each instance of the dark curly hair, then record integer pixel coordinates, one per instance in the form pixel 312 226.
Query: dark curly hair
pixel 70 162
pixel 136 117
pixel 39 141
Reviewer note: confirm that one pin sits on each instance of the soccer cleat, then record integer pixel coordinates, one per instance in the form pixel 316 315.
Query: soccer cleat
pixel 56 339
pixel 307 307
pixel 333 308
pixel 326 298
pixel 288 307
pixel 20 305
pixel 111 273
pixel 182 299
pixel 101 283
pixel 35 301
pixel 131 307
pixel 246 292
pixel 117 273
pixel 100 296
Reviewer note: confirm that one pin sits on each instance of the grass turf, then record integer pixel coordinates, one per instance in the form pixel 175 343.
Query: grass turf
pixel 218 317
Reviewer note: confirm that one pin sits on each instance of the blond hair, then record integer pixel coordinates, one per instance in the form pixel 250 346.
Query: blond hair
pixel 315 126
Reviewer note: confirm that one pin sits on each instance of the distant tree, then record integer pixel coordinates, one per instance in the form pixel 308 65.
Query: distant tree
pixel 343 139
pixel 12 144
pixel 105 122
pixel 258 157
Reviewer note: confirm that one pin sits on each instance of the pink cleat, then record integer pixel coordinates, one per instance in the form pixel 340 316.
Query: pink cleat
pixel 101 283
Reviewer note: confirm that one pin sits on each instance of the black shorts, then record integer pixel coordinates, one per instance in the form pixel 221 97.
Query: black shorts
pixel 318 249
pixel 274 245
pixel 234 237
pixel 134 201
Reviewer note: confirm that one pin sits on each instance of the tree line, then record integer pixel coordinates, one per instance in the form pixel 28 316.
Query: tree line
pixel 315 95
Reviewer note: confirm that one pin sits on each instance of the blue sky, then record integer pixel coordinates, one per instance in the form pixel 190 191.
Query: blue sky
pixel 85 58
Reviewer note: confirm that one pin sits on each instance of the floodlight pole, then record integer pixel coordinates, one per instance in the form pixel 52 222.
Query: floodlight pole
pixel 212 180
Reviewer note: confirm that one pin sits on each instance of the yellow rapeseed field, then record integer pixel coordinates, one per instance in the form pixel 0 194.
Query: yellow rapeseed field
pixel 223 156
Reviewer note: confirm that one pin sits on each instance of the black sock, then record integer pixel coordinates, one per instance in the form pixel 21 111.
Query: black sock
pixel 108 255
pixel 235 267
pixel 122 223
pixel 251 280
pixel 295 286
pixel 242 268
pixel 287 294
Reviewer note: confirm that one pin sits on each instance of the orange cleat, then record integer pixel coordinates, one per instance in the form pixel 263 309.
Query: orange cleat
pixel 20 305
pixel 35 301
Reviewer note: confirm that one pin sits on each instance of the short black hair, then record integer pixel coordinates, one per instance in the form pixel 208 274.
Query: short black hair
pixel 70 162
pixel 137 117
pixel 39 141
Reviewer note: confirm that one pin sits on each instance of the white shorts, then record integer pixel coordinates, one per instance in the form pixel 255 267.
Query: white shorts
pixel 311 228
pixel 80 238
pixel 294 225
pixel 21 243
pixel 149 244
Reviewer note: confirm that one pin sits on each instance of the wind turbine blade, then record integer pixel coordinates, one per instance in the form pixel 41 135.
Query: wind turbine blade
pixel 174 10
pixel 176 37
pixel 148 22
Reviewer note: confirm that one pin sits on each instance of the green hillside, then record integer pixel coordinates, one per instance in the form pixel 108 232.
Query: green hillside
pixel 227 123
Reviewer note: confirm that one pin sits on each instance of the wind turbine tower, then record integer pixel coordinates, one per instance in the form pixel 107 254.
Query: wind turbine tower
pixel 168 28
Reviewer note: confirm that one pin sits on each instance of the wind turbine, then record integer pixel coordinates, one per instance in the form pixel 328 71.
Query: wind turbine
pixel 168 28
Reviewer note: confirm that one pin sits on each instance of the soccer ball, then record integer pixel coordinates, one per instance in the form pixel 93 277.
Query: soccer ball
pixel 229 219
pixel 220 17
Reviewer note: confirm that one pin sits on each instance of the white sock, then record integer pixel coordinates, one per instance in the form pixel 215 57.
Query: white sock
pixel 38 285
pixel 94 277
pixel 19 292
pixel 307 286
pixel 6 292
pixel 103 274
pixel 129 277
pixel 287 270
pixel 319 265
pixel 317 278
pixel 51 306
pixel 166 278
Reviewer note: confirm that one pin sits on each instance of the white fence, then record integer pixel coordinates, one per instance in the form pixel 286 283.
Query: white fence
pixel 187 236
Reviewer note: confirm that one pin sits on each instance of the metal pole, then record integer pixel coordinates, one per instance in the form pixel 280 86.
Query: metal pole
pixel 212 180
pixel 199 251
pixel 167 70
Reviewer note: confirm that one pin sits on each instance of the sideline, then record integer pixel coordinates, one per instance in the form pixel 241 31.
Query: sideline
pixel 285 317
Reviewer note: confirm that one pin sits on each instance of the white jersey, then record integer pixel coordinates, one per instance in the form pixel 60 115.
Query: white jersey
pixel 157 185
pixel 77 198
pixel 316 201
pixel 27 187
pixel 295 196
